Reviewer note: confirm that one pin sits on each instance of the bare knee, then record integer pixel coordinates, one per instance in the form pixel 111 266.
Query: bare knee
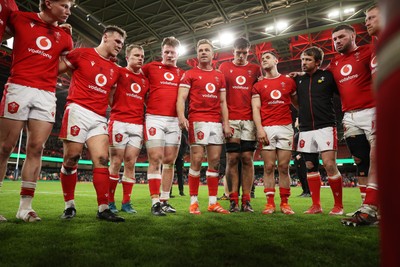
pixel 71 160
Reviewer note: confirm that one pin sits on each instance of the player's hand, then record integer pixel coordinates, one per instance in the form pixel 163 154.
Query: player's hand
pixel 67 28
pixel 294 74
pixel 227 131
pixel 262 137
pixel 183 124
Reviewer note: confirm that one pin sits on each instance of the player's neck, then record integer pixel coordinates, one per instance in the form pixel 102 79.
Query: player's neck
pixel 239 64
pixel 271 73
pixel 47 18
pixel 134 70
pixel 205 66
pixel 102 51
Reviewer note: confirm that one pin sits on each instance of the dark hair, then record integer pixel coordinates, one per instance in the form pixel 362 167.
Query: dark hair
pixel 346 27
pixel 241 42
pixel 43 7
pixel 171 40
pixel 114 28
pixel 270 52
pixel 315 52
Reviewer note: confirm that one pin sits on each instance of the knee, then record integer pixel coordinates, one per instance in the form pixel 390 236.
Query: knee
pixel 71 160
pixel 34 148
pixel 233 161
pixel 6 148
pixel 269 168
pixel 283 168
pixel 247 160
pixel 311 167
pixel 103 160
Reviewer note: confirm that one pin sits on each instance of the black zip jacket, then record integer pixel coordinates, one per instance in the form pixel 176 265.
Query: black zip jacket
pixel 315 99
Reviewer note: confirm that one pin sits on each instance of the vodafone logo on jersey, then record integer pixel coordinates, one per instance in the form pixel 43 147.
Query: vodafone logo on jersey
pixel 100 79
pixel 210 88
pixel 43 43
pixel 169 76
pixel 275 94
pixel 136 88
pixel 240 80
pixel 346 70
pixel 374 63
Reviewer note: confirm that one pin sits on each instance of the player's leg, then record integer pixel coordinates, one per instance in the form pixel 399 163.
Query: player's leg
pixel 232 172
pixel 335 180
pixel 314 182
pixel 196 158
pixel 247 148
pixel 98 146
pixel 167 175
pixel 116 159
pixel 269 158
pixel 284 179
pixel 128 178
pixel 37 134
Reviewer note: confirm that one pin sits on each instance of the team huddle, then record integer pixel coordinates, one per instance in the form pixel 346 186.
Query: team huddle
pixel 240 105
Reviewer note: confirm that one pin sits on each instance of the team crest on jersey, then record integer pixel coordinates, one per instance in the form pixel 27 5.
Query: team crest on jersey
pixel 100 79
pixel 346 70
pixel 283 84
pixel 200 135
pixel 250 72
pixel 111 73
pixel 75 130
pixel 302 143
pixel 13 107
pixel 216 79
pixel 210 88
pixel 232 130
pixel 53 113
pixel 135 87
pixel 328 143
pixel 169 76
pixel 357 56
pixel 118 138
pixel 32 24
pixel 275 94
pixel 240 80
pixel 43 43
pixel 58 36
pixel 152 131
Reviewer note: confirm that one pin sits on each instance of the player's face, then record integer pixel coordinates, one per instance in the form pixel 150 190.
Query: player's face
pixel 343 41
pixel 59 10
pixel 372 22
pixel 135 58
pixel 308 63
pixel 205 53
pixel 268 61
pixel 169 55
pixel 114 42
pixel 240 56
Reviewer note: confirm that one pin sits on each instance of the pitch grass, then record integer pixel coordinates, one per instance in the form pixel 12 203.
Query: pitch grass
pixel 239 239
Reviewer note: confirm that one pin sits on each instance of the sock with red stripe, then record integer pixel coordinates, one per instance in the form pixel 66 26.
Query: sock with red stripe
pixel 371 197
pixel 127 185
pixel 245 198
pixel 27 193
pixel 113 186
pixel 336 184
pixel 194 182
pixel 234 196
pixel 101 182
pixel 314 183
pixel 69 177
pixel 270 194
pixel 284 194
pixel 154 180
pixel 212 183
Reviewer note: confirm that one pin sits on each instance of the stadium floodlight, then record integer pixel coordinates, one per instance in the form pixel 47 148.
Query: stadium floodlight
pixel 281 25
pixel 269 28
pixel 182 50
pixel 226 38
pixel 349 11
pixel 334 14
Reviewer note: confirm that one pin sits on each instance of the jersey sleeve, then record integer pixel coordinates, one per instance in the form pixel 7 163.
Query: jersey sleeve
pixel 72 58
pixel 186 80
pixel 255 91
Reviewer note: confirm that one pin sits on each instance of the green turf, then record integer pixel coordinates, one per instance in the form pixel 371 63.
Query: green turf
pixel 182 239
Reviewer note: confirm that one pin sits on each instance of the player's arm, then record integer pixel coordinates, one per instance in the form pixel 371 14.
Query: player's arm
pixel 295 101
pixel 62 66
pixel 256 107
pixel 111 95
pixel 225 115
pixel 183 93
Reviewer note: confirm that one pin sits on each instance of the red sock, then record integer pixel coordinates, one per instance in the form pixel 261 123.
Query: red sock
pixel 154 180
pixel 284 194
pixel 101 182
pixel 371 197
pixel 28 191
pixel 113 186
pixel 127 190
pixel 363 189
pixel 314 183
pixel 212 182
pixel 337 190
pixel 68 178
pixel 270 194
pixel 194 183
pixel 234 196
pixel 245 198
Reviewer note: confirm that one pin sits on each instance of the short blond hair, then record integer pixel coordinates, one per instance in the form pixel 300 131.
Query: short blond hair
pixel 205 41
pixel 43 7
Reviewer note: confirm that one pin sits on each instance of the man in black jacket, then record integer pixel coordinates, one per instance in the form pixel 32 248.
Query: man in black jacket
pixel 317 124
